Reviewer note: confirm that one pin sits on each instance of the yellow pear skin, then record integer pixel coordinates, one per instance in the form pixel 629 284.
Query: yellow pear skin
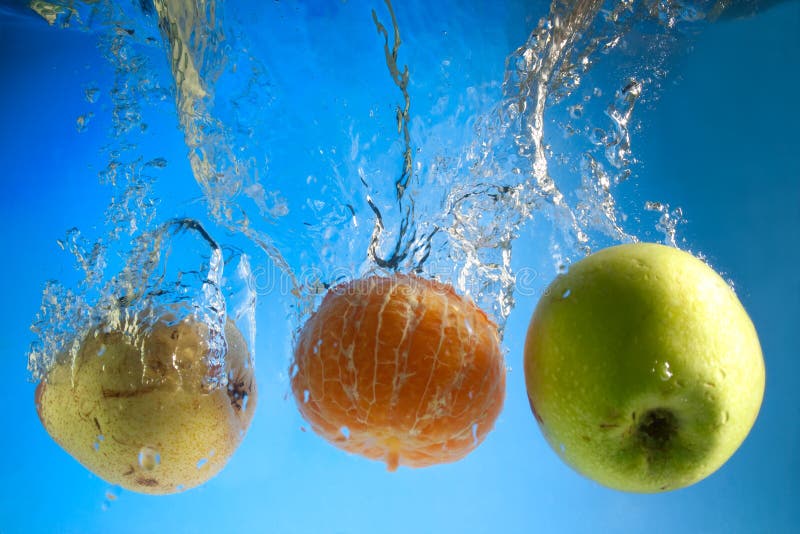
pixel 133 409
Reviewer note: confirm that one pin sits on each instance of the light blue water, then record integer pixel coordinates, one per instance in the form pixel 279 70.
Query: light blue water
pixel 310 113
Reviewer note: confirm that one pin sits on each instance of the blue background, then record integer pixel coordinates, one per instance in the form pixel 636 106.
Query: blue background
pixel 721 143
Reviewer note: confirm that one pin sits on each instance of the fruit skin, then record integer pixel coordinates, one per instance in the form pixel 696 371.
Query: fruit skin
pixel 138 391
pixel 643 369
pixel 411 370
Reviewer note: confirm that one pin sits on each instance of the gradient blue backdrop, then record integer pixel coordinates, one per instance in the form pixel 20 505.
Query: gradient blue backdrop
pixel 721 143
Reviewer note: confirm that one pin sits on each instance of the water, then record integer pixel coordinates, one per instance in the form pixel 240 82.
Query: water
pixel 393 200
pixel 439 175
pixel 421 142
pixel 149 458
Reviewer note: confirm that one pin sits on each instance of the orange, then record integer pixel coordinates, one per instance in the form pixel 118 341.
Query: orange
pixel 400 369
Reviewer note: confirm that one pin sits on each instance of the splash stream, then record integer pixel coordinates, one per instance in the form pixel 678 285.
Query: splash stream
pixel 511 143
pixel 552 146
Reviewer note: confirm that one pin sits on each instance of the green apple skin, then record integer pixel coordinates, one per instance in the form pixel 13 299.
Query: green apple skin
pixel 643 369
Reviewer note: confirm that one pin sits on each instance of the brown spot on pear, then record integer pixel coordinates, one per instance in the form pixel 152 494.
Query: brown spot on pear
pixel 124 393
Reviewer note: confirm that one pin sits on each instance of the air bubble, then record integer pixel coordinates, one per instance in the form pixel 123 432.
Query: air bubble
pixel 597 137
pixel 149 458
pixel 664 372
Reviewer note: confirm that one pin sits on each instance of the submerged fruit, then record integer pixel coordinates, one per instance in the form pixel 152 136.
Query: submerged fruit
pixel 643 368
pixel 399 369
pixel 132 406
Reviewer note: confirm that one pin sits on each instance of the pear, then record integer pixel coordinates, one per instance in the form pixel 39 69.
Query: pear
pixel 133 405
pixel 643 369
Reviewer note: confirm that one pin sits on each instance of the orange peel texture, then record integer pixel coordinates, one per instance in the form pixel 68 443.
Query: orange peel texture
pixel 400 369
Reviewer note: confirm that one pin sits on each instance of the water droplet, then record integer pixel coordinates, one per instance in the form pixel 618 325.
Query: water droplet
pixel 90 94
pixel 562 448
pixel 664 371
pixel 475 434
pixel 157 162
pixel 306 393
pixel 111 495
pixel 345 432
pixel 202 463
pixel 82 122
pixel 149 458
pixel 468 326
pixel 101 350
pixel 726 416
pixel 566 294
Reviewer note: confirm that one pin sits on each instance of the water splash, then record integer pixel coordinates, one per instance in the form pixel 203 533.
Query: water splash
pixel 137 267
pixel 441 188
pixel 499 180
pixel 175 270
pixel 224 164
pixel 668 221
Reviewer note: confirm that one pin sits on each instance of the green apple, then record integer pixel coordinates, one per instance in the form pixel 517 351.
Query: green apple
pixel 643 369
pixel 132 405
